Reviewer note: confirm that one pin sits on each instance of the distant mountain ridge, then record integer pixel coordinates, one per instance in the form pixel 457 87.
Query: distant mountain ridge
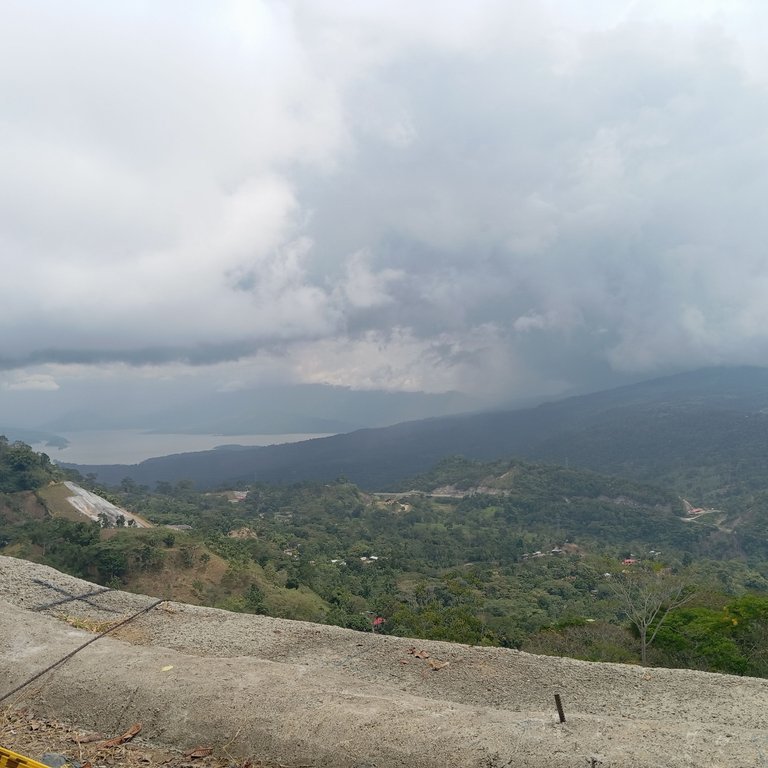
pixel 34 436
pixel 675 427
pixel 297 409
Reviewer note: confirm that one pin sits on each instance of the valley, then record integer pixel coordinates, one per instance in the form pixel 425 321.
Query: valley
pixel 512 555
pixel 506 553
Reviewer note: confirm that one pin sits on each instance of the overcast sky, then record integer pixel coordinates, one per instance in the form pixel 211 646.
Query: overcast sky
pixel 501 197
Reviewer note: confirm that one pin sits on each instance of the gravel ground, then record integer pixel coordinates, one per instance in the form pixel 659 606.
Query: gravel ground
pixel 303 693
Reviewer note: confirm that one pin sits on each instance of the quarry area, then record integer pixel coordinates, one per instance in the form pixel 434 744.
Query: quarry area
pixel 278 692
pixel 95 508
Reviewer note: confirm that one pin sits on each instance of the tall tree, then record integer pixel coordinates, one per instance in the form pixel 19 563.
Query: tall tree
pixel 647 597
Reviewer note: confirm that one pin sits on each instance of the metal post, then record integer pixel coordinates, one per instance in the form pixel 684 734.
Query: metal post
pixel 559 705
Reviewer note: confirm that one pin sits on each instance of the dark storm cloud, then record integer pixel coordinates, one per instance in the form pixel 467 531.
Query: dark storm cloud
pixel 504 195
pixel 200 355
pixel 609 210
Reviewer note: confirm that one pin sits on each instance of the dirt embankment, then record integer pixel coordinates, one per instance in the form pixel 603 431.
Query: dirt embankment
pixel 300 693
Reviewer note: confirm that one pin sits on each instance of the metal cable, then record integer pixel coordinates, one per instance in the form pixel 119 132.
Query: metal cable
pixel 80 648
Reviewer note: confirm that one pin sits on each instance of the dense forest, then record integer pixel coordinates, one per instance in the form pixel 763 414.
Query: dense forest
pixel 531 556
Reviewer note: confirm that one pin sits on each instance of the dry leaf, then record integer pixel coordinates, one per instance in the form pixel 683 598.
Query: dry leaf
pixel 199 752
pixel 166 668
pixel 84 738
pixel 435 664
pixel 87 738
pixel 134 730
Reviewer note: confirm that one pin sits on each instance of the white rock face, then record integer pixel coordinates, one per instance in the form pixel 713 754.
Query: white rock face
pixel 91 505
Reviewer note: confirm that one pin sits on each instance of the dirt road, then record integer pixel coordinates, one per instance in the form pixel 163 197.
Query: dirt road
pixel 300 693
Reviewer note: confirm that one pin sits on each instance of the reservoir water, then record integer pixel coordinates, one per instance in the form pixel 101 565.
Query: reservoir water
pixel 128 446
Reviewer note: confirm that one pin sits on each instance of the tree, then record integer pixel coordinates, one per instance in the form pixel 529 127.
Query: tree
pixel 748 619
pixel 647 598
pixel 111 564
pixel 254 600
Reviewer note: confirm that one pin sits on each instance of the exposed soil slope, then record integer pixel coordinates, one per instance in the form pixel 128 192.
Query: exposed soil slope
pixel 302 693
pixel 93 506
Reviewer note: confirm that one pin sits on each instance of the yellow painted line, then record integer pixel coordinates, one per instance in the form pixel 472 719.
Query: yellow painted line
pixel 10 759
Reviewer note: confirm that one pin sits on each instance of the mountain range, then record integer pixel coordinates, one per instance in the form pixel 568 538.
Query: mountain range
pixel 705 430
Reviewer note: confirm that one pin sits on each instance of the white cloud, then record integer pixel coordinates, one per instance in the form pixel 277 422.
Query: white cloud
pixel 362 288
pixel 407 195
pixel 30 381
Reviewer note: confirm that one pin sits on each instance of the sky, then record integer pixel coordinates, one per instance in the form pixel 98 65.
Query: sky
pixel 508 199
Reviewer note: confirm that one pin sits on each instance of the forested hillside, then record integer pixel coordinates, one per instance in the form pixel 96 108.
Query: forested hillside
pixel 22 469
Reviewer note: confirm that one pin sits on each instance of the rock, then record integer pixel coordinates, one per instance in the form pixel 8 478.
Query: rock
pixel 57 760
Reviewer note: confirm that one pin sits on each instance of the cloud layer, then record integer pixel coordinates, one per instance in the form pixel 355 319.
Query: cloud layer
pixel 490 196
